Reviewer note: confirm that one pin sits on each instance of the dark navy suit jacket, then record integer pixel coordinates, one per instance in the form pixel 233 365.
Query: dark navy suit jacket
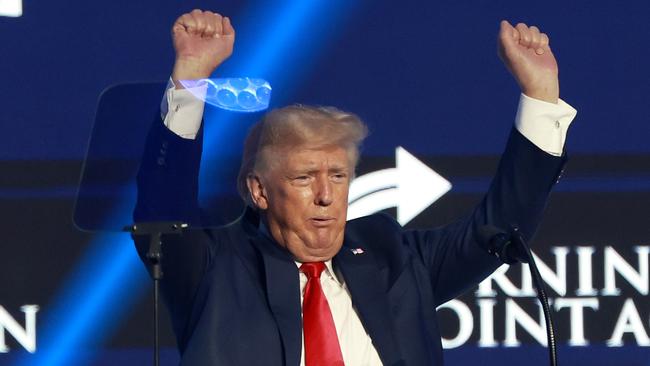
pixel 233 293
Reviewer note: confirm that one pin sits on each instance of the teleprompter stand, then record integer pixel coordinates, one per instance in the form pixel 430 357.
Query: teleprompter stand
pixel 154 231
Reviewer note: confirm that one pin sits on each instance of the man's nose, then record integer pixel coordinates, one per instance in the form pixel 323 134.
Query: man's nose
pixel 323 194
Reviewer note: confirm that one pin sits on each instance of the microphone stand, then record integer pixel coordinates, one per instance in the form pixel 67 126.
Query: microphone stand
pixel 511 248
pixel 519 241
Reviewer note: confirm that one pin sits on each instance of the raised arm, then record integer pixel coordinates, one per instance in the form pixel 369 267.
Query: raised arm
pixel 168 176
pixel 523 181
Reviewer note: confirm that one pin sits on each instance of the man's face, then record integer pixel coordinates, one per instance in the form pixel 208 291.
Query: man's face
pixel 303 194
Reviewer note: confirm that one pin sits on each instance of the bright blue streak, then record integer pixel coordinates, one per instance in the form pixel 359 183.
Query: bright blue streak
pixel 260 57
pixel 273 50
pixel 285 23
pixel 95 298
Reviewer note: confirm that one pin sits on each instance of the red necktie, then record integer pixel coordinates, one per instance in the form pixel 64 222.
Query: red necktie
pixel 321 343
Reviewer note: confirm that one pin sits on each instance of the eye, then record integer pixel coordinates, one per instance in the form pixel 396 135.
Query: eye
pixel 339 177
pixel 301 179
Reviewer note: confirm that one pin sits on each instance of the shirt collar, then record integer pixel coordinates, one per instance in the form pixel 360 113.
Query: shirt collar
pixel 329 269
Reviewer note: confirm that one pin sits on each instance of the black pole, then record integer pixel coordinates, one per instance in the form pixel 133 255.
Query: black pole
pixel 156 338
pixel 541 295
pixel 155 230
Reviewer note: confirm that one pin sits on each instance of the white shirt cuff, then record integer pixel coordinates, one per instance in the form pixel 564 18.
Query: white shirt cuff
pixel 182 109
pixel 544 124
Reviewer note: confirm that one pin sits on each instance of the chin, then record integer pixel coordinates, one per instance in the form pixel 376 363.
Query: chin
pixel 329 249
pixel 317 252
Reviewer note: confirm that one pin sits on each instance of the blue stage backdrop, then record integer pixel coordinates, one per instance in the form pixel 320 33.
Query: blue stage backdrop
pixel 423 75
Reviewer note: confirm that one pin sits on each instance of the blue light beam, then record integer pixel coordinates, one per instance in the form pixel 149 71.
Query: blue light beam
pixel 96 296
pixel 295 33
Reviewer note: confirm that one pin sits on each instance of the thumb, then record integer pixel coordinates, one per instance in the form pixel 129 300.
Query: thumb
pixel 507 41
pixel 228 29
pixel 178 29
pixel 508 35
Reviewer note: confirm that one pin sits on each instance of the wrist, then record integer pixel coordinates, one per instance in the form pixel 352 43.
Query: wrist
pixel 187 69
pixel 550 94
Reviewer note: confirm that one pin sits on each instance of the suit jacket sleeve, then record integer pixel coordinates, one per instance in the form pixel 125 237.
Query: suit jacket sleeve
pixel 168 177
pixel 517 196
pixel 167 184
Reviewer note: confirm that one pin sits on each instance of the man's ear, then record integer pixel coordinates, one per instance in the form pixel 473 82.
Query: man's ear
pixel 257 191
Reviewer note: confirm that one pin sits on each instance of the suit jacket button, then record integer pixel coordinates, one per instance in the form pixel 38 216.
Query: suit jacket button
pixel 161 161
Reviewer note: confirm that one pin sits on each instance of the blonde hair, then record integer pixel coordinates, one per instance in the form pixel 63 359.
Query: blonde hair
pixel 298 125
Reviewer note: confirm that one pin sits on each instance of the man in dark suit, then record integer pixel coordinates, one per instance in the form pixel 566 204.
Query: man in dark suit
pixel 366 289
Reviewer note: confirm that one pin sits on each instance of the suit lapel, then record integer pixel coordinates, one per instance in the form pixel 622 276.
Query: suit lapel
pixel 283 293
pixel 361 275
pixel 362 278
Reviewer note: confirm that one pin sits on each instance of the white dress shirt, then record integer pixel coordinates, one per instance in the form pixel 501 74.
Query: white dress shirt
pixel 356 345
pixel 544 124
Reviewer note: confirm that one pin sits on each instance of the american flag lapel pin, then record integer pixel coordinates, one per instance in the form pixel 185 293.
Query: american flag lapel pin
pixel 356 251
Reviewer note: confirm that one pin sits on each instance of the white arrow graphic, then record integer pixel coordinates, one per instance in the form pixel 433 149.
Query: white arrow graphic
pixel 411 187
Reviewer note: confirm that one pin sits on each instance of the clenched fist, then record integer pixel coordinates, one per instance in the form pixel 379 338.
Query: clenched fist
pixel 202 40
pixel 526 53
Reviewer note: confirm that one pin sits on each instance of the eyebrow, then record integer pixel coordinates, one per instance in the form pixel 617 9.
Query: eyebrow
pixel 338 169
pixel 310 169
